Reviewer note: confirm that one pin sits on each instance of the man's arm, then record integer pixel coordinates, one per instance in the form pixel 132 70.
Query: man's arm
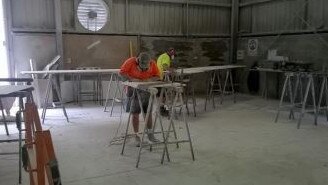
pixel 155 72
pixel 126 77
pixel 125 71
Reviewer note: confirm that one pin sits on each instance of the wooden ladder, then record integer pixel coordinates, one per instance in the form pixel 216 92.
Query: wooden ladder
pixel 42 164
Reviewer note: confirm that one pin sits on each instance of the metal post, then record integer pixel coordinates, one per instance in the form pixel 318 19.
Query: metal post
pixel 187 19
pixel 9 38
pixel 234 30
pixel 59 34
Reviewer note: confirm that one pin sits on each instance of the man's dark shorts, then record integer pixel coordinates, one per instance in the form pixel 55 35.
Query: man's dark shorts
pixel 135 108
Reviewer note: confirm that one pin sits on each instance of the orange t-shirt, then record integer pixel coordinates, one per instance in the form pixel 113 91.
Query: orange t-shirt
pixel 130 68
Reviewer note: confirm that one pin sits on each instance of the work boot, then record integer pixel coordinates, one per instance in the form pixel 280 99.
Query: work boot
pixel 151 137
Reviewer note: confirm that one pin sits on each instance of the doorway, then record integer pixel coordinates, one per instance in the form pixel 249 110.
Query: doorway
pixel 4 70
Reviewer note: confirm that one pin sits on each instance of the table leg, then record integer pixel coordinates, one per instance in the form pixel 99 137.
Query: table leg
pixel 79 89
pixel 115 95
pixel 314 103
pixel 291 97
pixel 166 138
pixel 265 90
pixel 326 93
pixel 108 91
pixel 57 88
pixel 148 114
pixel 207 91
pixel 129 120
pixel 19 127
pixel 46 99
pixel 282 98
pixel 225 85
pixel 232 85
pixel 187 128
pixel 304 103
pixel 4 118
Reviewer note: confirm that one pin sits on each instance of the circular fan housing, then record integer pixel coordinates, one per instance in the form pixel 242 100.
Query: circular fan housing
pixel 92 14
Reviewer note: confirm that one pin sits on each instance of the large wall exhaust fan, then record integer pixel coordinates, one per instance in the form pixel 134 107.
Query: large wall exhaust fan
pixel 92 14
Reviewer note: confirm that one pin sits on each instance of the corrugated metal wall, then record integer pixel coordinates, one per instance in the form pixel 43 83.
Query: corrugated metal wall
pixel 209 20
pixel 68 18
pixel 155 18
pixel 33 14
pixel 206 17
pixel 283 15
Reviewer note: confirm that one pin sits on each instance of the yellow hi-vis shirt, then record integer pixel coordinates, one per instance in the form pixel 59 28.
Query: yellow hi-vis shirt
pixel 163 63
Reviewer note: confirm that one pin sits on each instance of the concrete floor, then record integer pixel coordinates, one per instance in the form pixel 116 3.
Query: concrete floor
pixel 236 144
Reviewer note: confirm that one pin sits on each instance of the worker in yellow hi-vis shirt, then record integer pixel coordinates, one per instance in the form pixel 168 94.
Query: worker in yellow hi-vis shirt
pixel 164 61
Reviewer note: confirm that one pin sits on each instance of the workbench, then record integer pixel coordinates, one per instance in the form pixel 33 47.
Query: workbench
pixel 213 74
pixel 52 76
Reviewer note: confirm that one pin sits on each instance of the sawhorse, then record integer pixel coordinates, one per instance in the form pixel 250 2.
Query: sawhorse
pixel 214 77
pixel 151 88
pixel 52 82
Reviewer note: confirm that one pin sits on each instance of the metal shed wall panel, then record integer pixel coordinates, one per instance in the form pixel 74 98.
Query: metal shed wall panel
pixel 316 9
pixel 245 20
pixel 282 15
pixel 209 20
pixel 116 23
pixel 135 17
pixel 143 17
pixel 67 9
pixel 155 18
pixel 33 14
pixel 277 16
pixel 325 13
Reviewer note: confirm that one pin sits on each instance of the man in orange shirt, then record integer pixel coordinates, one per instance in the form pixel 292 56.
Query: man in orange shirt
pixel 141 68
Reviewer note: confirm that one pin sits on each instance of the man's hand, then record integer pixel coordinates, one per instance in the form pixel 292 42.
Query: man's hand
pixel 171 70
